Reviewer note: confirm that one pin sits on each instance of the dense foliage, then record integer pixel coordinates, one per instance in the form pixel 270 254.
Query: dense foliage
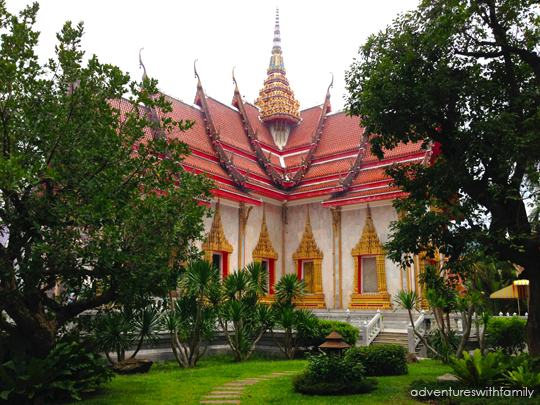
pixel 93 195
pixel 348 332
pixel 300 325
pixel 507 334
pixel 325 375
pixel 380 360
pixel 192 317
pixel 462 78
pixel 68 371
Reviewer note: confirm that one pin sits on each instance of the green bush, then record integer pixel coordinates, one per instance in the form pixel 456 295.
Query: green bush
pixel 477 371
pixel 325 375
pixel 348 332
pixel 66 372
pixel 381 360
pixel 303 384
pixel 507 334
pixel 340 369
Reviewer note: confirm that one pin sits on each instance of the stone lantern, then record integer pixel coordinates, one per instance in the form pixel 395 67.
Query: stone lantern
pixel 334 344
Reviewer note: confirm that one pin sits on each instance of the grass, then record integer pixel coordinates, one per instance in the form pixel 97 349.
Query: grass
pixel 167 383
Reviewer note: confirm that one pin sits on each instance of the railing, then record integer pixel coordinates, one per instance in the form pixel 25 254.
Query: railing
pixel 370 330
pixel 421 327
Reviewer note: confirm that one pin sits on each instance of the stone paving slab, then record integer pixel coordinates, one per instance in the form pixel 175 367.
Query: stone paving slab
pixel 221 396
pixel 240 383
pixel 230 388
pixel 226 392
pixel 224 401
pixel 271 376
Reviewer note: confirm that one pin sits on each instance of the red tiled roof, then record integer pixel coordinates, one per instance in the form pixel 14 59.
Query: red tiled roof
pixel 205 165
pixel 254 167
pixel 301 134
pixel 329 168
pixel 400 150
pixel 227 121
pixel 294 160
pixel 318 186
pixel 364 193
pixel 196 136
pixel 370 175
pixel 263 132
pixel 341 133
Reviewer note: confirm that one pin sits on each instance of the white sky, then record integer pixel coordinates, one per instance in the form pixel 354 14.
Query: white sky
pixel 317 38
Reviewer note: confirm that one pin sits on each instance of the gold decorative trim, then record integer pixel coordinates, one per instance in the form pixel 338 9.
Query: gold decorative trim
pixel 308 250
pixel 216 240
pixel 370 244
pixel 264 248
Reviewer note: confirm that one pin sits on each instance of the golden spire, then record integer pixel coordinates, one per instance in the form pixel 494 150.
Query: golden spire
pixel 276 100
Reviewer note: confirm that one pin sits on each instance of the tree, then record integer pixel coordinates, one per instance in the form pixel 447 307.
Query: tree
pixel 241 308
pixel 92 192
pixel 463 78
pixel 299 325
pixel 192 317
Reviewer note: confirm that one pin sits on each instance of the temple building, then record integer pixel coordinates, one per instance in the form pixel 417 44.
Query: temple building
pixel 299 191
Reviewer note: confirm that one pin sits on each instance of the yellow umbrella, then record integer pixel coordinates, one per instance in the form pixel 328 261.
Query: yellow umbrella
pixel 518 290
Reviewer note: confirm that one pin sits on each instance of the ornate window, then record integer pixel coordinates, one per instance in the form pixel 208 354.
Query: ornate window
pixel 217 248
pixel 369 271
pixel 265 254
pixel 307 261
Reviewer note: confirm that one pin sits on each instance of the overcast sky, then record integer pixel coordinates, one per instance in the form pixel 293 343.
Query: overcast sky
pixel 317 38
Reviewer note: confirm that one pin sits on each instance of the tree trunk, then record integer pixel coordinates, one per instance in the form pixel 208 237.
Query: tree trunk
pixel 532 329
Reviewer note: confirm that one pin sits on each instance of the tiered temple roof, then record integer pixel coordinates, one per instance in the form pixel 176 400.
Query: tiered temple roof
pixel 326 155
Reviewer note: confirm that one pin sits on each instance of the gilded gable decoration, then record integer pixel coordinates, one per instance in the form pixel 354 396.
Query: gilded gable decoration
pixel 369 245
pixel 309 256
pixel 264 251
pixel 264 248
pixel 216 240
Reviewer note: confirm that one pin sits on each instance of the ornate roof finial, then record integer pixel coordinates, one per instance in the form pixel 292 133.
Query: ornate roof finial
pixel 368 212
pixel 199 84
pixel 307 222
pixel 277 33
pixel 141 65
pixel 331 85
pixel 276 100
pixel 234 81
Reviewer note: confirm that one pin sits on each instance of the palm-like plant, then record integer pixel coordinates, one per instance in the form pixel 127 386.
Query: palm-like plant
pixel 289 288
pixel 192 316
pixel 298 325
pixel 242 308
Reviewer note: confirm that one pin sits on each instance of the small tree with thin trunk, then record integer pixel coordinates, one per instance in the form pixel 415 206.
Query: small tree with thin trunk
pixel 191 319
pixel 299 325
pixel 243 318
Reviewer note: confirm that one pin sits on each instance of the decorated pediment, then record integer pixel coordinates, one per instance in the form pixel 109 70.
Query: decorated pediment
pixel 264 248
pixel 369 243
pixel 216 240
pixel 308 247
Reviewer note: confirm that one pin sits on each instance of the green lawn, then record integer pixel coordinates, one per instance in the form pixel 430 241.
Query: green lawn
pixel 168 384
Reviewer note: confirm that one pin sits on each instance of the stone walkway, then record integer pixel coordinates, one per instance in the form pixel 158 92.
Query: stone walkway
pixel 230 393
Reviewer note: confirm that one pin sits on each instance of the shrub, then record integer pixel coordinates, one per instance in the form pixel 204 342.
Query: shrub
pixel 341 369
pixel 507 334
pixel 332 376
pixel 381 360
pixel 348 332
pixel 67 371
pixel 477 371
pixel 303 384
